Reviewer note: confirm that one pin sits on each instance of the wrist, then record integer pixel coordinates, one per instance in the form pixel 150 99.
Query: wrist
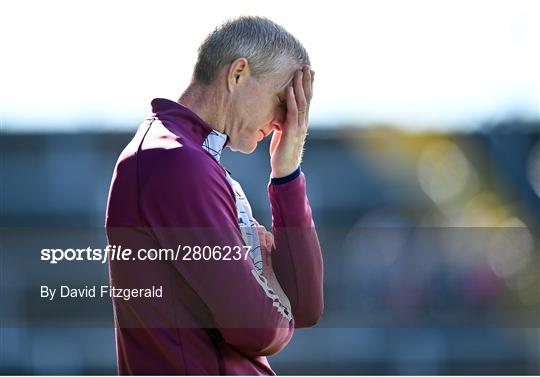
pixel 285 178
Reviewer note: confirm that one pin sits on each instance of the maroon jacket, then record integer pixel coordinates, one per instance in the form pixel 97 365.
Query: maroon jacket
pixel 215 316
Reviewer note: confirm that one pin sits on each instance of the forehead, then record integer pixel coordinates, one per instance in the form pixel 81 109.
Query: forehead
pixel 284 78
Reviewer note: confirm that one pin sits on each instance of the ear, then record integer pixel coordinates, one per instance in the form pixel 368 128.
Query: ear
pixel 238 71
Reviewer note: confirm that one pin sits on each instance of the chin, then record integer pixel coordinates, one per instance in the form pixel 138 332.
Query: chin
pixel 246 148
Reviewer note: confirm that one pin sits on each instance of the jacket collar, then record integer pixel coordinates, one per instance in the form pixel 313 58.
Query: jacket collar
pixel 215 143
pixel 181 120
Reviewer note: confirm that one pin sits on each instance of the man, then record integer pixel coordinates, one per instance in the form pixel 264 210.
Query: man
pixel 218 315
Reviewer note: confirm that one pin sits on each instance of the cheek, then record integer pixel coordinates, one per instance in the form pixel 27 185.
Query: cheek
pixel 280 116
pixel 247 134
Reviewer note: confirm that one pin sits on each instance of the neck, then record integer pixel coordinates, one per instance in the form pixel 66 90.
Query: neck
pixel 206 102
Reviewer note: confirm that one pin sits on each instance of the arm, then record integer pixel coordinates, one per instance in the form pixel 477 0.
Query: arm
pixel 187 201
pixel 297 258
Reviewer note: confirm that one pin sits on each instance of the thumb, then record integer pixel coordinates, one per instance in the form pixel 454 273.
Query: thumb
pixel 276 137
pixel 261 231
pixel 270 241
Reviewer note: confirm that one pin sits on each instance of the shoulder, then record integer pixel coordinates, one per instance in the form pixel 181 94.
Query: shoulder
pixel 188 164
pixel 167 154
pixel 185 186
pixel 182 169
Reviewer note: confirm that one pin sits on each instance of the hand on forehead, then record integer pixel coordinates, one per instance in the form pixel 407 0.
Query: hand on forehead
pixel 281 90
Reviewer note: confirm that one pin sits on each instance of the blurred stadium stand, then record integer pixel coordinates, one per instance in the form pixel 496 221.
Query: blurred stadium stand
pixel 360 182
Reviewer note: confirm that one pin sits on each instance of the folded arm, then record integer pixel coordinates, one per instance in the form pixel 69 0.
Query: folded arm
pixel 188 201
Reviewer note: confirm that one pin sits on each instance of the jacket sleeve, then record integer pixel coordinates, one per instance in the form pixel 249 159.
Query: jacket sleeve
pixel 297 260
pixel 187 201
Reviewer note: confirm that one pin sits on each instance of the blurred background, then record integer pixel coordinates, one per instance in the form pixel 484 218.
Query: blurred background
pixel 423 169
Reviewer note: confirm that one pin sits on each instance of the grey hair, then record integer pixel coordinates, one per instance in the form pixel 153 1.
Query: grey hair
pixel 265 44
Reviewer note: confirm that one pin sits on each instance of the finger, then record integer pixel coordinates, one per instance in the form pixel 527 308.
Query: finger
pixel 261 232
pixel 301 102
pixel 267 259
pixel 292 109
pixel 265 254
pixel 312 76
pixel 270 241
pixel 307 84
pixel 312 73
